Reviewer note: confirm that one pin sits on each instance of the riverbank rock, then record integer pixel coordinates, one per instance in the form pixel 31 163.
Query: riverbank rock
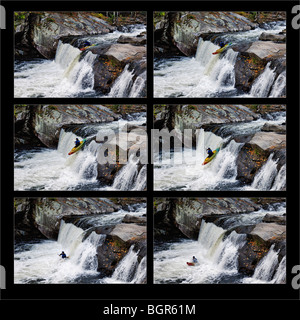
pixel 265 49
pixel 272 37
pixel 43 215
pixel 254 154
pixel 42 123
pixel 112 60
pixel 117 244
pixel 195 116
pixel 116 151
pixel 180 31
pixel 39 32
pixel 183 216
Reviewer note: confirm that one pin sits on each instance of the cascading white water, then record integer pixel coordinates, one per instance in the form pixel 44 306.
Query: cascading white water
pixel 126 86
pixel 265 177
pixel 129 178
pixel 279 86
pixel 138 85
pixel 41 262
pixel 203 76
pixel 266 267
pixel 280 180
pixel 195 176
pixel 263 83
pixel 129 270
pixel 269 270
pixel 68 75
pixel 222 252
pixel 217 257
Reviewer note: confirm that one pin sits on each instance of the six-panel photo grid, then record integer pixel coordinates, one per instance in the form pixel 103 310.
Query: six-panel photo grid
pixel 150 151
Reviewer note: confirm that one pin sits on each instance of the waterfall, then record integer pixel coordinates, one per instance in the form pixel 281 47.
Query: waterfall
pixel 280 275
pixel 216 71
pixel 78 69
pixel 210 236
pixel 129 177
pixel 280 180
pixel 223 73
pixel 279 86
pixel 204 53
pixel 221 251
pixel 138 85
pixel 266 267
pixel 263 83
pixel 83 164
pixel 81 250
pixel 264 179
pixel 127 85
pixel 129 269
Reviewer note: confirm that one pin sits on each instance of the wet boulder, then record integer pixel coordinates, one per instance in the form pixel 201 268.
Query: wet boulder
pixel 111 62
pixel 117 244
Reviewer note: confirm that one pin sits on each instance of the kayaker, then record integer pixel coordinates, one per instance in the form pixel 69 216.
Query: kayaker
pixel 86 43
pixel 222 44
pixel 77 143
pixel 63 255
pixel 209 151
pixel 195 260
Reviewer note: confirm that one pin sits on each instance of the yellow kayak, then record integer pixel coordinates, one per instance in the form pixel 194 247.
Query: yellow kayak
pixel 75 149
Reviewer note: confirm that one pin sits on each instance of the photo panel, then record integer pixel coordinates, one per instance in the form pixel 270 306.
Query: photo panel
pixel 80 147
pixel 80 54
pixel 80 240
pixel 219 54
pixel 219 147
pixel 219 240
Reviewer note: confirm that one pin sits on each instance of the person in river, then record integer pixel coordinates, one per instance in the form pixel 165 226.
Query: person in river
pixel 195 260
pixel 63 255
pixel 86 43
pixel 222 44
pixel 77 143
pixel 209 151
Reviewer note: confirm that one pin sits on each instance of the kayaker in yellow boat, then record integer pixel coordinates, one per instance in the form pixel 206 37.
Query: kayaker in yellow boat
pixel 77 143
pixel 209 152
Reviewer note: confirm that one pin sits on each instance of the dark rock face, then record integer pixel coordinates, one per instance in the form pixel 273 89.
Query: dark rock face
pixel 117 244
pixel 247 68
pixel 178 32
pixel 250 160
pixel 39 32
pixel 42 124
